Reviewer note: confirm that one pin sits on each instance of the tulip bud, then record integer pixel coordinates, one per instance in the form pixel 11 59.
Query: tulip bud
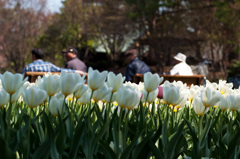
pixel 34 96
pixel 160 92
pixel 96 79
pixel 12 82
pixel 70 82
pixel 115 81
pixel 56 105
pixel 4 98
pixel 151 81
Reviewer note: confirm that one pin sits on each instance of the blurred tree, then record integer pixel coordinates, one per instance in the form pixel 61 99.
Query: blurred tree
pixel 217 24
pixel 67 29
pixel 165 27
pixel 203 29
pixel 98 25
pixel 225 39
pixel 113 27
pixel 20 25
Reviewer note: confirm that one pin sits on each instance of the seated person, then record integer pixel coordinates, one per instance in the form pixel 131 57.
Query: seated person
pixel 181 68
pixel 73 62
pixel 39 65
pixel 135 65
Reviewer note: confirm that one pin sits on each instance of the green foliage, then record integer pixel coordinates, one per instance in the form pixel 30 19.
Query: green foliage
pixel 146 7
pixel 234 69
pixel 88 131
pixel 66 29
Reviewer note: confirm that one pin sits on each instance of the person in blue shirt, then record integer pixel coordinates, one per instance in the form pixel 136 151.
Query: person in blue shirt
pixel 38 65
pixel 135 65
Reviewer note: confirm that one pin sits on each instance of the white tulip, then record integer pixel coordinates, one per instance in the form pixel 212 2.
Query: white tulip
pixel 223 104
pixel 70 82
pixel 127 98
pixel 4 97
pixel 180 85
pixel 16 95
pixel 212 85
pixel 56 105
pixel 81 90
pixel 59 95
pixel 50 83
pixel 39 80
pixel 101 92
pixel 198 106
pixel 151 81
pixel 172 95
pixel 12 82
pixel 233 102
pixel 85 98
pixel 152 96
pixel 115 81
pixel 194 89
pixel 107 97
pixel 210 97
pixel 224 87
pixel 134 86
pixel 34 96
pixel 182 102
pixel 96 79
pixel 27 84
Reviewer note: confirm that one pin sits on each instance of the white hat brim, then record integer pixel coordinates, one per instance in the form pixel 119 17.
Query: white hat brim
pixel 176 58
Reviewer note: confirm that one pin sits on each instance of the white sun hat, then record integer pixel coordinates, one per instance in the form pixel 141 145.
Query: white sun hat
pixel 180 57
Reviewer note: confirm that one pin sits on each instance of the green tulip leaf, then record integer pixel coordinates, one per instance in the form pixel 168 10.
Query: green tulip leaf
pixel 43 150
pixel 107 150
pixel 5 150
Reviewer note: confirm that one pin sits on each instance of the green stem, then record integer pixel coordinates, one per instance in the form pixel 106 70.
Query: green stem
pixel 28 137
pixel 173 122
pixel 167 111
pixel 109 106
pixel 126 126
pixel 89 126
pixel 220 124
pixel 118 131
pixel 9 111
pixel 89 110
pixel 44 107
pixel 146 99
pixel 49 99
pixel 81 109
pixel 73 102
pixel 63 103
pixel 200 128
pixel 47 110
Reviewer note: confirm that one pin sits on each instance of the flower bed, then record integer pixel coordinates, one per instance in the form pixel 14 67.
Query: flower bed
pixel 59 116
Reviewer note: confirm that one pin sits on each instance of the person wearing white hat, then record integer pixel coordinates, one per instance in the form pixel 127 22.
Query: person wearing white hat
pixel 182 68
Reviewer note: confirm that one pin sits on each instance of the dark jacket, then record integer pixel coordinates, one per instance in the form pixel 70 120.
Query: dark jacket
pixel 76 64
pixel 136 66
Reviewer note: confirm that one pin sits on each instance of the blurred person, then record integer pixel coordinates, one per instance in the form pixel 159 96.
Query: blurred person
pixel 73 62
pixel 38 65
pixel 181 67
pixel 135 65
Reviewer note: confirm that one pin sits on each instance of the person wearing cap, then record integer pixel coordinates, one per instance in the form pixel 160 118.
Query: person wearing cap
pixel 181 68
pixel 38 65
pixel 73 62
pixel 135 65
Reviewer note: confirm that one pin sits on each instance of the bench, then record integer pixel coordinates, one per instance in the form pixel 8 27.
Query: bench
pixel 193 79
pixel 32 76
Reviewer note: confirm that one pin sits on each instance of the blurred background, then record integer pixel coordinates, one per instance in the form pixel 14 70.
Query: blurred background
pixel 207 31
